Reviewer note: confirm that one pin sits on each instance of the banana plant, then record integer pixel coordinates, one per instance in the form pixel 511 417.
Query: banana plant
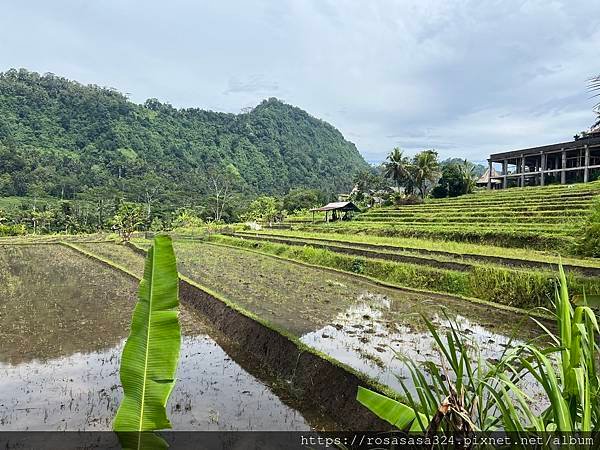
pixel 398 414
pixel 151 353
pixel 565 371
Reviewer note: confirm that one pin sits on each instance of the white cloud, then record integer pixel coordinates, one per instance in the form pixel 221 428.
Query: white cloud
pixel 466 77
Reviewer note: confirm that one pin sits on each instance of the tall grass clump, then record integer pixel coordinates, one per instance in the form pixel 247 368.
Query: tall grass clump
pixel 589 243
pixel 512 287
pixel 468 394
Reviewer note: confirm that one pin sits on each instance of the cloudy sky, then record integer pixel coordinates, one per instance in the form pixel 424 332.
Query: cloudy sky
pixel 466 77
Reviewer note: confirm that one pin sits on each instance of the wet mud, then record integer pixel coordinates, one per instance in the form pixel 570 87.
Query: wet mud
pixel 64 319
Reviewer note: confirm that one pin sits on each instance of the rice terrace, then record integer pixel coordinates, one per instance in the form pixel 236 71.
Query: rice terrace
pixel 247 277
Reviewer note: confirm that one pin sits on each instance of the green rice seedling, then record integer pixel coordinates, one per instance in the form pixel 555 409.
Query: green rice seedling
pixel 489 396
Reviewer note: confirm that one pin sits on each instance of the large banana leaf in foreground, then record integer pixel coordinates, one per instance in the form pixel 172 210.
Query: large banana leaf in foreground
pixel 151 352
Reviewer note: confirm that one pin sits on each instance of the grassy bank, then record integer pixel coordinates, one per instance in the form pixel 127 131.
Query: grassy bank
pixel 458 250
pixel 518 288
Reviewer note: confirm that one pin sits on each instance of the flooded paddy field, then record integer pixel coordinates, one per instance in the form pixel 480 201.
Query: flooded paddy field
pixel 63 322
pixel 351 319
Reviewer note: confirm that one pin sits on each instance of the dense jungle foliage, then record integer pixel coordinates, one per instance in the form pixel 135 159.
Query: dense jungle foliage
pixel 91 146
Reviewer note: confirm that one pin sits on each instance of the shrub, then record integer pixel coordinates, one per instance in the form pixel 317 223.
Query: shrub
pixel 12 230
pixel 492 395
pixel 358 265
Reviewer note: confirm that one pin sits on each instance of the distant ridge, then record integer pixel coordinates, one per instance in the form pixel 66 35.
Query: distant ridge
pixel 61 138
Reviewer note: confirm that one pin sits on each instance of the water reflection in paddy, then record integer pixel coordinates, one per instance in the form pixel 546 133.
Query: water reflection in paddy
pixel 375 334
pixel 82 391
pixel 353 320
pixel 63 321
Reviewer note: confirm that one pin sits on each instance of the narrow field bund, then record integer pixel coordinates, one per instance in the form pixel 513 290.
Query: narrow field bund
pixel 491 211
pixel 308 373
pixel 495 285
pixel 516 222
pixel 501 229
pixel 446 260
pixel 488 204
pixel 479 200
pixel 497 206
pixel 498 236
pixel 367 253
pixel 435 247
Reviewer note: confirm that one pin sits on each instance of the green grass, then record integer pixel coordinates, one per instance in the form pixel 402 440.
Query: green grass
pixel 459 249
pixel 517 288
pixel 492 396
pixel 537 217
pixel 296 297
pixel 437 259
pixel 500 235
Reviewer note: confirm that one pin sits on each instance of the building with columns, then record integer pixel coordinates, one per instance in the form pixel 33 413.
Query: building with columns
pixel 565 162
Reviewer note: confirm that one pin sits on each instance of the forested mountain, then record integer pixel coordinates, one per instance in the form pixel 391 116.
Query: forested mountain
pixel 62 139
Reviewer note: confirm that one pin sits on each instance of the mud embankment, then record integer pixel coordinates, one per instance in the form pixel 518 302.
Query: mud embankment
pixel 364 252
pixel 364 249
pixel 329 385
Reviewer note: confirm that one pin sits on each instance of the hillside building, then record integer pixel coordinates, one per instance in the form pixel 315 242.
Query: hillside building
pixel 565 162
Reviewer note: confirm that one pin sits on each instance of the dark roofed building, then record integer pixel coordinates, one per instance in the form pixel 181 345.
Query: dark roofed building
pixel 335 208
pixel 565 162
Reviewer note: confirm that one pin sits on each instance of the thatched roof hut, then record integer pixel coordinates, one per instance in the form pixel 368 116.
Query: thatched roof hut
pixel 483 180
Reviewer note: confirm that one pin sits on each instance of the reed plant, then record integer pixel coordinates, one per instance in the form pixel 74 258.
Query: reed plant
pixel 468 394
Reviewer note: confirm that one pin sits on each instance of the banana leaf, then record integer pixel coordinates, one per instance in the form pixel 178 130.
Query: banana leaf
pixel 401 416
pixel 151 353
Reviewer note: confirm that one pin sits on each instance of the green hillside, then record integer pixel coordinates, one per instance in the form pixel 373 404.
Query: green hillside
pixel 59 138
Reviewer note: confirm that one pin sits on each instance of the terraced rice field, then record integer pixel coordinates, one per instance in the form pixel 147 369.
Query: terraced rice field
pixel 535 217
pixel 349 318
pixel 498 282
pixel 500 246
pixel 63 321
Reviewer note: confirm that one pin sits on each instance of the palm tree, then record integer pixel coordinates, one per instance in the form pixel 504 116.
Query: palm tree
pixel 467 174
pixel 396 167
pixel 425 171
pixel 595 86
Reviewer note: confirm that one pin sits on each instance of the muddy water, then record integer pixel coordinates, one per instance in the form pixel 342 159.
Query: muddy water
pixel 355 321
pixel 63 321
pixel 369 327
pixel 375 335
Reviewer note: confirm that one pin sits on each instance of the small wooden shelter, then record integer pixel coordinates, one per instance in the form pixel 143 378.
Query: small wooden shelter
pixel 336 208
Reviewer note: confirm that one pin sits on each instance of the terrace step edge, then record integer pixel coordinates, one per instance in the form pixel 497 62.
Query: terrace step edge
pixel 521 311
pixel 500 260
pixel 317 375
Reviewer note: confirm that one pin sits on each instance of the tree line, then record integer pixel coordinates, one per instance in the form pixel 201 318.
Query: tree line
pixel 89 149
pixel 403 179
pixel 49 216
